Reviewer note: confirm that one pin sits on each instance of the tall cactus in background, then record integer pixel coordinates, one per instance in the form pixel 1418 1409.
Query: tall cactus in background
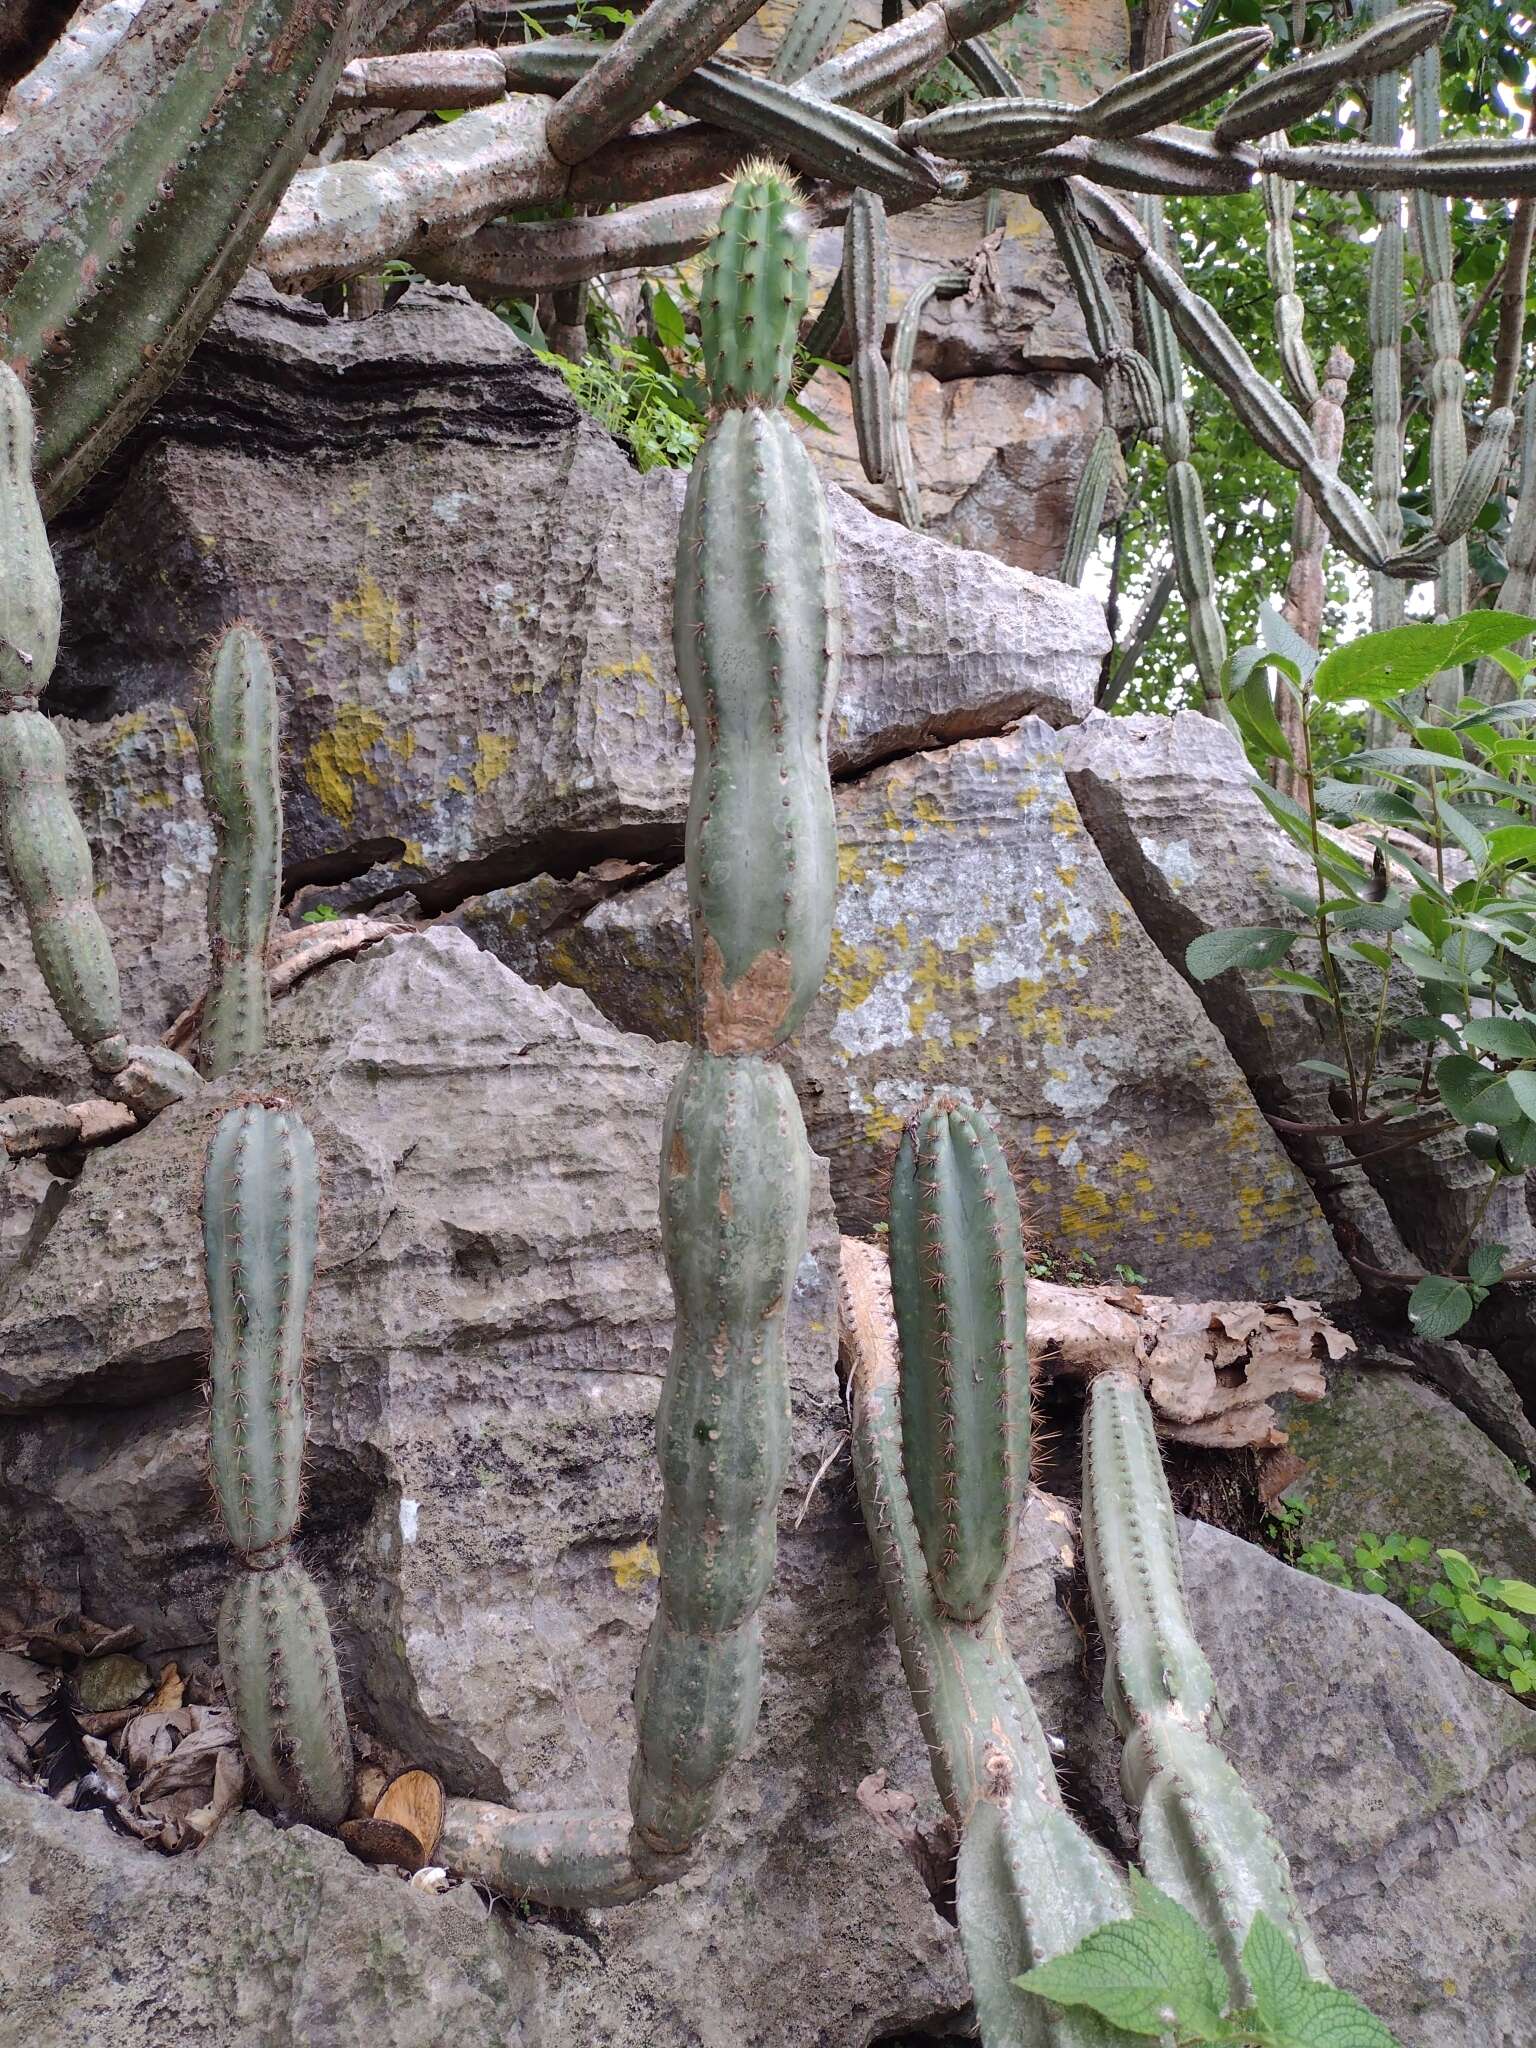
pixel 237 745
pixel 866 278
pixel 45 848
pixel 1385 316
pixel 1203 1839
pixel 260 1222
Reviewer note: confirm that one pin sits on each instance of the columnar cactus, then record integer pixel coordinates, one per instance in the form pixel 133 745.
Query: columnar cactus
pixel 260 1220
pixel 1385 318
pixel 237 744
pixel 958 1284
pixel 44 846
pixel 1203 1839
pixel 866 277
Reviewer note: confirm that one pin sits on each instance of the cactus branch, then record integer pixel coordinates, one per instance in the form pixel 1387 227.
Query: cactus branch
pixel 237 744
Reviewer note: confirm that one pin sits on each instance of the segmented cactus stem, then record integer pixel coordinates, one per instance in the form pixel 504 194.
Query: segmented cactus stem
pixel 815 28
pixel 1385 316
pixel 260 1227
pixel 1203 1839
pixel 1290 310
pixel 1031 1884
pixel 903 346
pixel 1517 593
pixel 866 294
pixel 1445 380
pixel 1088 502
pixel 237 745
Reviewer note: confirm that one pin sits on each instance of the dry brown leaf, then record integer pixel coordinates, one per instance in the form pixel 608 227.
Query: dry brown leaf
pixel 169 1693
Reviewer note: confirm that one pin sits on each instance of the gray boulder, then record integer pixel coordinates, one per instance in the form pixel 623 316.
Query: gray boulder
pixel 982 944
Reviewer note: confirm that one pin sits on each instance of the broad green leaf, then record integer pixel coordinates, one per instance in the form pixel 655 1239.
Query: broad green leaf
pixel 1432 918
pixel 1283 979
pixel 1281 637
pixel 1512 842
pixel 1517 1593
pixel 1485 1267
pixel 1438 1307
pixel 1375 956
pixel 1253 945
pixel 1507 1038
pixel 667 318
pixel 1472 1094
pixel 1522 1085
pixel 1145 1976
pixel 1384 665
pixel 1291 2010
pixel 1458 1569
pixel 1328 1067
pixel 1371 917
pixel 1438 739
pixel 1463 831
pixel 1254 711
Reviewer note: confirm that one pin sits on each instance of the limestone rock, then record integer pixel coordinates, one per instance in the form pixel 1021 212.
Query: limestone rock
pixel 1170 805
pixel 1386 1453
pixel 467 588
pixel 980 944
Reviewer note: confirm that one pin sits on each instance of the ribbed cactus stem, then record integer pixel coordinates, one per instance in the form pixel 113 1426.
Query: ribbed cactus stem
pixel 1385 317
pixel 578 1859
pixel 958 1282
pixel 1517 593
pixel 237 744
pixel 815 28
pixel 1132 393
pixel 903 348
pixel 280 1674
pixel 260 1226
pixel 1088 502
pixel 866 278
pixel 1203 1839
pixel 1445 380
pixel 1290 309
pixel 1192 556
pixel 756 634
pixel 1031 1884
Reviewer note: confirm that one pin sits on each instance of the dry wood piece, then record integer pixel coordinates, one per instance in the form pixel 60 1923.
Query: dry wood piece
pixel 383 1841
pixel 295 954
pixel 414 1800
pixel 1211 1368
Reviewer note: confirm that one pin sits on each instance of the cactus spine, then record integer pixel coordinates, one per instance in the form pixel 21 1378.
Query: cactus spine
pixel 1031 1884
pixel 958 1285
pixel 260 1219
pixel 1203 1840
pixel 866 294
pixel 237 744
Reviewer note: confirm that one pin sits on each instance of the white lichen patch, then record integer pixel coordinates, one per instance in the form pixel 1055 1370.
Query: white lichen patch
pixel 1173 861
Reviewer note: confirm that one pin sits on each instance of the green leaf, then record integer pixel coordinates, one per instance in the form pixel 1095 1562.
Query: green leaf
pixel 1458 1569
pixel 1485 1268
pixel 1137 1973
pixel 1437 739
pixel 1463 831
pixel 1512 842
pixel 1472 1094
pixel 802 412
pixel 667 318
pixel 1522 1085
pixel 1250 945
pixel 1281 637
pixel 1328 1067
pixel 1285 979
pixel 1293 2011
pixel 1254 711
pixel 1517 1593
pixel 1438 1307
pixel 1507 1038
pixel 1381 666
pixel 1371 917
pixel 1432 918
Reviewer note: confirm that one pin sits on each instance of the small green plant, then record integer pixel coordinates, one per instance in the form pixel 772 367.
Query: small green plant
pixel 323 913
pixel 1453 918
pixel 1481 1617
pixel 1160 1975
pixel 1129 1275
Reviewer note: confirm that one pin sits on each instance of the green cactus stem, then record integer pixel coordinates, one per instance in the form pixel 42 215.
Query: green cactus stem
pixel 1385 305
pixel 1031 1884
pixel 29 584
pixel 866 278
pixel 1133 398
pixel 1203 1839
pixel 1177 85
pixel 1088 502
pixel 1303 87
pixel 237 745
pixel 903 347
pixel 757 639
pixel 101 317
pixel 280 1673
pixel 958 1283
pixel 260 1223
pixel 1445 380
pixel 1517 593
pixel 577 1860
pixel 815 28
pixel 735 1186
pixel 668 41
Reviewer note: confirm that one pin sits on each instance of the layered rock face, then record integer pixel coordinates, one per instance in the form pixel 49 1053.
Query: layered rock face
pixel 468 593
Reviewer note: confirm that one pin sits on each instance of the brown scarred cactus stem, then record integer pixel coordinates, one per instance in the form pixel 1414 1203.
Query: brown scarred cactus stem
pixel 260 1223
pixel 756 636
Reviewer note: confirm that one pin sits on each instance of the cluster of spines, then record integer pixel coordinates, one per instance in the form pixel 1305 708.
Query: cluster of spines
pixel 958 1283
pixel 237 744
pixel 260 1226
